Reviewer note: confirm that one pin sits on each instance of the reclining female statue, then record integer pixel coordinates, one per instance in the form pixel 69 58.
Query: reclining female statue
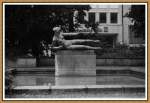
pixel 59 42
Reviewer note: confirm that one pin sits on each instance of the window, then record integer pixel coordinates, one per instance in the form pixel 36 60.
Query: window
pixel 114 17
pixel 105 29
pixel 92 17
pixel 102 17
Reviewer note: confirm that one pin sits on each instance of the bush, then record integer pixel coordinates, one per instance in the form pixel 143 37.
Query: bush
pixel 8 80
pixel 121 51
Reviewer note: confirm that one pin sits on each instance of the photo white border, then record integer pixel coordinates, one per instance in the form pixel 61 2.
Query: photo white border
pixel 146 48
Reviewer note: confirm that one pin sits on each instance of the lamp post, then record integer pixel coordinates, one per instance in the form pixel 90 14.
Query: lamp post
pixel 122 26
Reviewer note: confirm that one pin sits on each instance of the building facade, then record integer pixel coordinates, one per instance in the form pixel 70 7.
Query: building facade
pixel 113 25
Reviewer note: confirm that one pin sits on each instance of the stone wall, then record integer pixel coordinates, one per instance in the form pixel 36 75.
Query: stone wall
pixel 20 62
pixel 45 61
pixel 120 62
pixel 109 62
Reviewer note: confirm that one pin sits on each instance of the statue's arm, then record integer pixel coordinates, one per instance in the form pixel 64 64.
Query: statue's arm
pixel 57 45
pixel 57 48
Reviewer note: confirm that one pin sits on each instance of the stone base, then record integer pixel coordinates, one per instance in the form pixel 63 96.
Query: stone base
pixel 75 63
pixel 75 80
pixel 26 62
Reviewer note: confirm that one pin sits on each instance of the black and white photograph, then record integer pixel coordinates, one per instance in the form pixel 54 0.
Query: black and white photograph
pixel 75 51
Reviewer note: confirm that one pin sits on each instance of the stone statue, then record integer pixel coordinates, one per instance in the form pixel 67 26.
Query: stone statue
pixel 60 43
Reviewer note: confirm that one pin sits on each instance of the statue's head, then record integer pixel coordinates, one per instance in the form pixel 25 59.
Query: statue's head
pixel 57 29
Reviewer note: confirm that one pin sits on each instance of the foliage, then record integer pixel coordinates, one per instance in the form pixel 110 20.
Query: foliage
pixel 9 80
pixel 122 51
pixel 137 15
pixel 27 25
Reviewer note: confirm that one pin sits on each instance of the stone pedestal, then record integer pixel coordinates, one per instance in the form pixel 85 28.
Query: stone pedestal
pixel 75 62
pixel 75 67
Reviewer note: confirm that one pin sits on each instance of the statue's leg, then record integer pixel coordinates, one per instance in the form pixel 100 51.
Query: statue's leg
pixel 82 47
pixel 79 41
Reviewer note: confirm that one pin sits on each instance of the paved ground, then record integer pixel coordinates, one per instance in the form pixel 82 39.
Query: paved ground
pixel 83 95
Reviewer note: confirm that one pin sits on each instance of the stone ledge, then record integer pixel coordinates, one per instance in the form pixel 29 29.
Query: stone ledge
pixel 99 62
pixel 78 87
pixel 52 68
pixel 75 52
pixel 103 70
pixel 31 87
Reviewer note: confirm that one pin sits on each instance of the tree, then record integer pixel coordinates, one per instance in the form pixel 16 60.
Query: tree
pixel 27 25
pixel 137 15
